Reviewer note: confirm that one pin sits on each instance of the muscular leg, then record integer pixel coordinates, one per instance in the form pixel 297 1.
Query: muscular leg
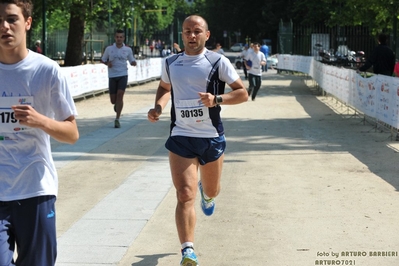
pixel 119 102
pixel 210 177
pixel 184 175
pixel 112 98
pixel 112 83
pixel 117 87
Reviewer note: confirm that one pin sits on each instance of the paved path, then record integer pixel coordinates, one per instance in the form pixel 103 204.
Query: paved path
pixel 303 181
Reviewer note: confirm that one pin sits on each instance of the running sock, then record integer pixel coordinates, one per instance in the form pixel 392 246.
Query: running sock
pixel 187 245
pixel 206 197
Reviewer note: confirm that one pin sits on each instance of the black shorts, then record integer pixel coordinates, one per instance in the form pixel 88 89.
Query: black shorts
pixel 117 83
pixel 205 149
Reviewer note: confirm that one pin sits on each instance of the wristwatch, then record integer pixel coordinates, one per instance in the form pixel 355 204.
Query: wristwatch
pixel 218 99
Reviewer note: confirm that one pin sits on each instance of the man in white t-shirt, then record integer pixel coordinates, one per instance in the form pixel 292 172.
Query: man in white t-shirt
pixel 257 60
pixel 194 81
pixel 115 57
pixel 35 104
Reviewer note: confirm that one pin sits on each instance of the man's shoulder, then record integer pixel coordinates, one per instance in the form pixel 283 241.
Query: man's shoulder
pixel 251 54
pixel 43 65
pixel 109 47
pixel 41 59
pixel 216 58
pixel 263 55
pixel 170 59
pixel 127 47
pixel 212 54
pixel 383 49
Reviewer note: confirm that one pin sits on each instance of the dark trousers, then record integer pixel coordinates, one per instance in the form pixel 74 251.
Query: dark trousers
pixel 264 68
pixel 245 69
pixel 254 85
pixel 30 223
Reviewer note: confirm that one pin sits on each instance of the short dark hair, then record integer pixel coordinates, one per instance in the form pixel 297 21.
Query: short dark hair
pixel 25 5
pixel 120 31
pixel 382 38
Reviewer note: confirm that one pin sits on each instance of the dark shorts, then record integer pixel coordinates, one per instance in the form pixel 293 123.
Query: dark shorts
pixel 117 83
pixel 205 149
pixel 30 223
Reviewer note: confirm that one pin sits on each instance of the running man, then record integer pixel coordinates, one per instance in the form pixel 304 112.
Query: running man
pixel 257 60
pixel 196 140
pixel 115 57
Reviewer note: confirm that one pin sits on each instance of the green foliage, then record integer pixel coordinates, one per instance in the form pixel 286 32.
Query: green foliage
pixel 152 17
pixel 256 19
pixel 104 13
pixel 313 11
pixel 376 14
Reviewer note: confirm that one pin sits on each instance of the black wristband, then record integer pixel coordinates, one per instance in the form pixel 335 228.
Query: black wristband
pixel 218 99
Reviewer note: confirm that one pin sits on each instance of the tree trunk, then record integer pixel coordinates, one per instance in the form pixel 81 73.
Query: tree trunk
pixel 74 50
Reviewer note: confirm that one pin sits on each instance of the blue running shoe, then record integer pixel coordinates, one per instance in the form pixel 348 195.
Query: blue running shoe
pixel 207 205
pixel 188 257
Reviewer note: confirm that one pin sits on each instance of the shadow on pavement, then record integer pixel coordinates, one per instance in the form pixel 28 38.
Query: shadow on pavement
pixel 322 131
pixel 151 259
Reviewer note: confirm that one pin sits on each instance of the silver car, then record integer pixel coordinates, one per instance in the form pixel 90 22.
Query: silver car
pixel 237 47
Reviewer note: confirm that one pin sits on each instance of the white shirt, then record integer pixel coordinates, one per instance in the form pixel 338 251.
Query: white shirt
pixel 118 58
pixel 189 75
pixel 27 167
pixel 256 59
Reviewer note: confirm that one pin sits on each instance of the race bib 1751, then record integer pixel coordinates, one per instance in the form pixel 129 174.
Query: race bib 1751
pixel 8 123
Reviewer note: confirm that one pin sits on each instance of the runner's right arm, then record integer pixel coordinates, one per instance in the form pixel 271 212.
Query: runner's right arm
pixel 161 100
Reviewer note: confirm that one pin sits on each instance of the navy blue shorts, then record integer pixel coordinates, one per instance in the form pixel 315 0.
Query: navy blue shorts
pixel 205 149
pixel 117 83
pixel 31 224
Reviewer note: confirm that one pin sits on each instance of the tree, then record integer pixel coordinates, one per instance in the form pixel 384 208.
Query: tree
pixel 376 14
pixel 156 15
pixel 74 51
pixel 258 19
pixel 82 16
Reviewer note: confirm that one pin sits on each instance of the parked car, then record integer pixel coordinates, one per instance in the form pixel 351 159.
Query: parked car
pixel 238 62
pixel 237 47
pixel 272 62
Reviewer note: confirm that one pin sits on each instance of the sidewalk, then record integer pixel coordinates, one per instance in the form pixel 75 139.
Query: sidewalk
pixel 303 184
